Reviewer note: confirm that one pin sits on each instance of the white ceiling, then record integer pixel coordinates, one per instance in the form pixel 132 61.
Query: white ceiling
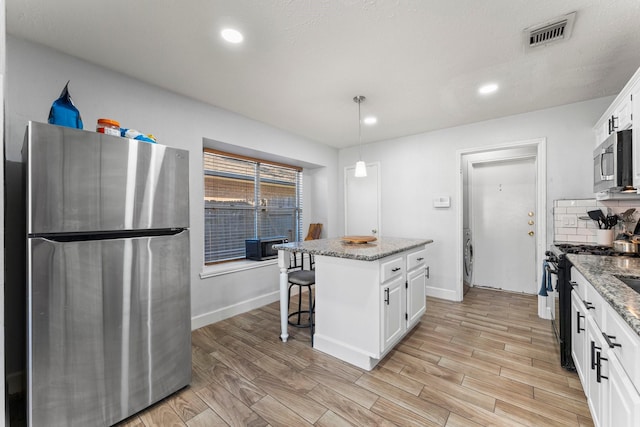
pixel 418 62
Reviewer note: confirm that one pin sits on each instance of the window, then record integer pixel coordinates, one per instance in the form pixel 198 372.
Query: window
pixel 247 198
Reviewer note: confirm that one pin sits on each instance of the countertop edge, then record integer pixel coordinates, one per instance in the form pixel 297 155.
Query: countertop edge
pixel 614 292
pixel 299 247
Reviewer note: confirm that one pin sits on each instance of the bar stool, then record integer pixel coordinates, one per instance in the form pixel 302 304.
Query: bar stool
pixel 300 277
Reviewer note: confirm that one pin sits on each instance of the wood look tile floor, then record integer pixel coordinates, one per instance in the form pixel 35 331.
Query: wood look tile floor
pixel 486 361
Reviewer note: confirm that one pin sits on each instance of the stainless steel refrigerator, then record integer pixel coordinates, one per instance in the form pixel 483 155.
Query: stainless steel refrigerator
pixel 108 299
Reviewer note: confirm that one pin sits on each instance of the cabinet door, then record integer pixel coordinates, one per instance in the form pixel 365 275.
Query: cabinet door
pixel 578 338
pixel 596 370
pixel 635 136
pixel 622 115
pixel 624 400
pixel 602 132
pixel 393 311
pixel 416 298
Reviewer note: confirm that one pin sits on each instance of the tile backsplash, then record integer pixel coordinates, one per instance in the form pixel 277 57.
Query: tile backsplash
pixel 572 224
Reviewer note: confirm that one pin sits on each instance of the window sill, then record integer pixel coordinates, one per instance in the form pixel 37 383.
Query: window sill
pixel 233 267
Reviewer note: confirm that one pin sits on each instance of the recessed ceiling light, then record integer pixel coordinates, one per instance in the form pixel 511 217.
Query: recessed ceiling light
pixel 231 35
pixel 488 88
pixel 370 120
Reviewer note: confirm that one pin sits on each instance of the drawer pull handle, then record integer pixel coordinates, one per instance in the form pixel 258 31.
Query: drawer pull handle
pixel 610 343
pixel 428 272
pixel 599 375
pixel 588 305
pixel 395 269
pixel 386 296
pixel 578 316
pixel 594 347
pixel 420 259
pixel 573 284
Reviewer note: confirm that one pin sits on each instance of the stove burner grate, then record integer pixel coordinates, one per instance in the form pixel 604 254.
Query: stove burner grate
pixel 579 249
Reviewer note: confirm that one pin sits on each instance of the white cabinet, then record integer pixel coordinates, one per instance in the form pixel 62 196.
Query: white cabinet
pixel 623 399
pixel 416 286
pixel 578 337
pixel 364 308
pixel 635 136
pixel 403 298
pixel 619 115
pixel 605 352
pixel 594 361
pixel 393 311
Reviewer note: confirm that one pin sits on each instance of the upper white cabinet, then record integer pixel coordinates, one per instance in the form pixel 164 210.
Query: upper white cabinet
pixel 619 116
pixel 635 112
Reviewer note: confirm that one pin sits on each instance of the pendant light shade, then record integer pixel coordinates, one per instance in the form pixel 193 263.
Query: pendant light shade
pixel 361 167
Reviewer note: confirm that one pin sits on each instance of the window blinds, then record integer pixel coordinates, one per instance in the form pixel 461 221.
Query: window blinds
pixel 248 198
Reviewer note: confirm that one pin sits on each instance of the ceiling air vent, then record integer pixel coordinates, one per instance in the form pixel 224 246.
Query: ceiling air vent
pixel 549 32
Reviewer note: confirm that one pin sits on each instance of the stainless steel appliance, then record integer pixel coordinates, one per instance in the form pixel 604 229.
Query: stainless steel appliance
pixel 108 275
pixel 612 163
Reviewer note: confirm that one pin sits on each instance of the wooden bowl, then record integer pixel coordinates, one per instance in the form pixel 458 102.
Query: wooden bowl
pixel 358 239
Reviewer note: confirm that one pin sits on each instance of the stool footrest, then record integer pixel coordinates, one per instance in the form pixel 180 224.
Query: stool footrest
pixel 299 325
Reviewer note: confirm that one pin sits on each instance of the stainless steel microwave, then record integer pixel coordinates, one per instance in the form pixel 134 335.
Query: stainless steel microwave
pixel 612 163
pixel 261 249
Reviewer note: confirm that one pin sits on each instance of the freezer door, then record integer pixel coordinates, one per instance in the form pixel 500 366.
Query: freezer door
pixel 109 327
pixel 79 181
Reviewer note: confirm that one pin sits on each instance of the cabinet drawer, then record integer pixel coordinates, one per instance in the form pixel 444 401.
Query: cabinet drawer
pixel 594 303
pixel 628 350
pixel 391 268
pixel 415 259
pixel 579 283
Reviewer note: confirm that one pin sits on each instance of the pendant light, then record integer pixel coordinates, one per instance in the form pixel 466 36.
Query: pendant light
pixel 361 167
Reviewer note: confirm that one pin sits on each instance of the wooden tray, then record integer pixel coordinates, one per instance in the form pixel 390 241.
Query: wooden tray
pixel 358 239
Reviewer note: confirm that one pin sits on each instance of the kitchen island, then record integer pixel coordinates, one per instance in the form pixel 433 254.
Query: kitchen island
pixel 368 296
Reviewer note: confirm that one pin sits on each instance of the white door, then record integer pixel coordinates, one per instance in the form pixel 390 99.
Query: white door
pixel 362 202
pixel 503 218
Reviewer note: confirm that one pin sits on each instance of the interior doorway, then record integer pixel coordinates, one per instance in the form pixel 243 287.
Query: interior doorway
pixel 502 219
pixel 502 216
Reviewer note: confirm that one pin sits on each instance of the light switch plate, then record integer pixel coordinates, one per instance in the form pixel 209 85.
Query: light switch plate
pixel 569 221
pixel 442 202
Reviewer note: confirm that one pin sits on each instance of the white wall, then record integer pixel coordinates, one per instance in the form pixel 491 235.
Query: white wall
pixel 416 169
pixel 37 74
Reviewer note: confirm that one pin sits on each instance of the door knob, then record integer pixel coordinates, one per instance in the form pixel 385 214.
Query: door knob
pixel 530 214
pixel 530 222
pixel 531 233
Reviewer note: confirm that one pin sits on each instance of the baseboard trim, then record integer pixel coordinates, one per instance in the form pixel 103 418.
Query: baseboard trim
pixel 234 309
pixel 447 294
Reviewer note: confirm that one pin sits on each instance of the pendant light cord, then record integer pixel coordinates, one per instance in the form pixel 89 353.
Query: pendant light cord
pixel 359 132
pixel 359 99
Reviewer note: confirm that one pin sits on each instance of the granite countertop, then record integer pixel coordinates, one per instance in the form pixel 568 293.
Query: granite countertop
pixel 599 271
pixel 336 247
